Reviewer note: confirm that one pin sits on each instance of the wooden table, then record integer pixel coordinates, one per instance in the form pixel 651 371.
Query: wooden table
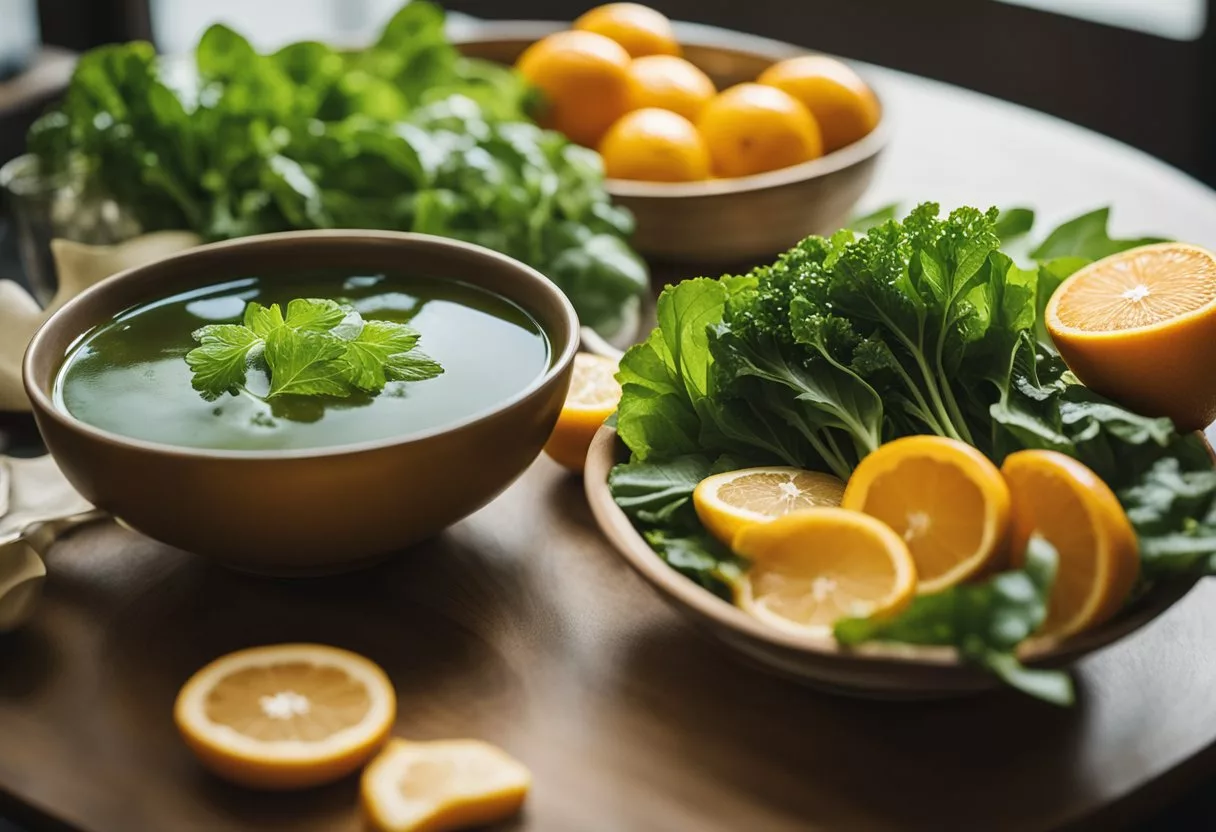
pixel 521 626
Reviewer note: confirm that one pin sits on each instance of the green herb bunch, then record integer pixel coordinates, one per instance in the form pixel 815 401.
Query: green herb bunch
pixel 319 348
pixel 405 134
pixel 919 326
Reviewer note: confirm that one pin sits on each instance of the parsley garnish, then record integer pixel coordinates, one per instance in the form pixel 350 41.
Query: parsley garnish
pixel 319 348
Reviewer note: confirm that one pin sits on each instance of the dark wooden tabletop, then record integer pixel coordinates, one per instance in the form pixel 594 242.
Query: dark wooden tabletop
pixel 521 626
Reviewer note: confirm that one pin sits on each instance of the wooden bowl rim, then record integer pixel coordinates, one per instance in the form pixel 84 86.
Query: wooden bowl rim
pixel 709 38
pixel 682 592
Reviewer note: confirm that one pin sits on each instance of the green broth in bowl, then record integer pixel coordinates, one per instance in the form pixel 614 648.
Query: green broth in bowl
pixel 130 376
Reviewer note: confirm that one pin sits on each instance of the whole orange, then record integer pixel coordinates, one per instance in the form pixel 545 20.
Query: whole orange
pixel 669 83
pixel 751 128
pixel 585 81
pixel 656 146
pixel 840 101
pixel 640 29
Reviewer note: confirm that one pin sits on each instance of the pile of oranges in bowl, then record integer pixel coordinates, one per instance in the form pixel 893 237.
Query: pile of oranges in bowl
pixel 617 82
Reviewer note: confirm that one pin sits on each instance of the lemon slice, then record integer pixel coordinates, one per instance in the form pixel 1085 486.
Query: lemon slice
pixel 726 503
pixel 594 395
pixel 441 785
pixel 286 716
pixel 811 568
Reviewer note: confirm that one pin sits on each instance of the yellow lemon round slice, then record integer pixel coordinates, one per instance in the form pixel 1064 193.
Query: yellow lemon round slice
pixel 446 784
pixel 726 503
pixel 287 716
pixel 811 568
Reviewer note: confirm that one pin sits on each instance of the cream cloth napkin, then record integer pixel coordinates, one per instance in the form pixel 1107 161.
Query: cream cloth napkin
pixel 34 495
pixel 78 267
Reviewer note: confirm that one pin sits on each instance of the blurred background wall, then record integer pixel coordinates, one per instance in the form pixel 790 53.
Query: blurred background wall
pixel 1143 71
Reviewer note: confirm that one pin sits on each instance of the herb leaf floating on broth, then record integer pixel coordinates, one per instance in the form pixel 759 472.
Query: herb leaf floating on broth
pixel 916 327
pixel 320 348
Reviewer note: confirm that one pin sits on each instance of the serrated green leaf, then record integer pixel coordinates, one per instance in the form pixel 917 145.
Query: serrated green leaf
pixel 306 364
pixel 221 359
pixel 314 314
pixel 263 319
pixel 414 365
pixel 370 355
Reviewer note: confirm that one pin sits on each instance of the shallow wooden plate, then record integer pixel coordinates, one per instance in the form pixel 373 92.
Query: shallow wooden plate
pixel 878 670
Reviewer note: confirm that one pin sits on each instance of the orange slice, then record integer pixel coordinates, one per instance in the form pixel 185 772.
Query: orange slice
pixel 1060 499
pixel 813 567
pixel 943 497
pixel 726 503
pixel 447 784
pixel 1139 326
pixel 287 716
pixel 594 395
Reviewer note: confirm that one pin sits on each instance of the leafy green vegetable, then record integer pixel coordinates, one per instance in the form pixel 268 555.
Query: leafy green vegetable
pixel 985 622
pixel 404 135
pixel 1086 237
pixel 319 348
pixel 659 498
pixel 919 326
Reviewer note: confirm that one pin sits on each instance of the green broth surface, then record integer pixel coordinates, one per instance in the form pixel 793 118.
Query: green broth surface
pixel 130 376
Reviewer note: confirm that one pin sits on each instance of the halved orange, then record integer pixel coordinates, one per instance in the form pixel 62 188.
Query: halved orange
pixel 944 498
pixel 1057 497
pixel 287 716
pixel 1139 327
pixel 725 503
pixel 443 784
pixel 811 568
pixel 594 395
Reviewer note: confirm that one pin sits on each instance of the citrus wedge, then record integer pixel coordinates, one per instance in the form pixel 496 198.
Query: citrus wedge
pixel 1063 501
pixel 813 567
pixel 594 395
pixel 726 503
pixel 442 785
pixel 286 716
pixel 1139 326
pixel 944 498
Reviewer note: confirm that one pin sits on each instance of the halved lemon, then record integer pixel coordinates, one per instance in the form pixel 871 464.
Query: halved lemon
pixel 811 568
pixel 594 395
pixel 1060 499
pixel 727 502
pixel 943 497
pixel 1139 326
pixel 442 785
pixel 287 716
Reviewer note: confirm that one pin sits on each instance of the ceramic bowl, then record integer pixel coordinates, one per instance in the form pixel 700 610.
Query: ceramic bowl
pixel 875 671
pixel 722 221
pixel 318 510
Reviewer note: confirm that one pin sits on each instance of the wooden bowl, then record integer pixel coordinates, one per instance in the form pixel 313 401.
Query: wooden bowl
pixel 877 670
pixel 316 510
pixel 721 221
